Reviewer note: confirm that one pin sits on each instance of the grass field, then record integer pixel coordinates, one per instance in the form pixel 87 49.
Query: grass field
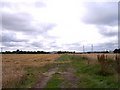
pixel 56 71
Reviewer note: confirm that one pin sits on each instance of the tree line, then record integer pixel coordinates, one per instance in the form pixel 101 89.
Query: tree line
pixel 54 52
pixel 117 50
pixel 35 52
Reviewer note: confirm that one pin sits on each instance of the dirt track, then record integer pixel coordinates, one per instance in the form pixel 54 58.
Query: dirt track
pixel 68 77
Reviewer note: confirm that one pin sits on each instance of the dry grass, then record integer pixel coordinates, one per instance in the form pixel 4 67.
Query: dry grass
pixel 117 60
pixel 13 66
pixel 106 62
pixel 103 61
pixel 93 57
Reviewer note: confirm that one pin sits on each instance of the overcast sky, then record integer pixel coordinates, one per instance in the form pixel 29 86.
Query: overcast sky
pixel 53 25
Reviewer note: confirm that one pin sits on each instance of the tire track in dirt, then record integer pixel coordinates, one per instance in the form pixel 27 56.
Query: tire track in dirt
pixel 45 78
pixel 70 78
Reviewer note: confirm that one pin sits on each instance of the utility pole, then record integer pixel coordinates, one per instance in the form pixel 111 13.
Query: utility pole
pixel 1 49
pixel 83 48
pixel 92 48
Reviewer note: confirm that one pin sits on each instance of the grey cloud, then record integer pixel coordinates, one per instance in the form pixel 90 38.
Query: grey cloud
pixel 102 13
pixel 40 45
pixel 74 46
pixel 35 3
pixel 11 37
pixel 44 27
pixel 110 34
pixel 54 45
pixel 106 46
pixel 10 40
pixel 16 22
pixel 18 45
pixel 96 47
pixel 9 44
pixel 37 44
pixel 22 22
pixel 5 4
pixel 39 4
pixel 107 31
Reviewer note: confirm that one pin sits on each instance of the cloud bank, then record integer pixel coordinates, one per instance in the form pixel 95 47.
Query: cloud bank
pixel 59 25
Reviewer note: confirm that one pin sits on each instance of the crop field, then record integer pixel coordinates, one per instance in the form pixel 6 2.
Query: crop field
pixel 58 71
pixel 14 65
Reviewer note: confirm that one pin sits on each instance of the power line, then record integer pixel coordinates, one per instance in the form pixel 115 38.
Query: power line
pixel 1 49
pixel 83 48
pixel 92 48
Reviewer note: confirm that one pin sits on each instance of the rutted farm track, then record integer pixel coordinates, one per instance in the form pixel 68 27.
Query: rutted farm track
pixel 67 77
pixel 45 78
pixel 65 71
